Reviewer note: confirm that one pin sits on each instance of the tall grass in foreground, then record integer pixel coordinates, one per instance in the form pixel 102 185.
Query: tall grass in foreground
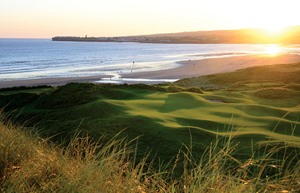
pixel 30 164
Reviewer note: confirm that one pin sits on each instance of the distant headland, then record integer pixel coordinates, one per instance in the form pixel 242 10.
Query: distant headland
pixel 242 36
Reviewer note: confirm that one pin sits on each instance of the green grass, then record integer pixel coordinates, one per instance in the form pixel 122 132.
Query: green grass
pixel 31 164
pixel 162 118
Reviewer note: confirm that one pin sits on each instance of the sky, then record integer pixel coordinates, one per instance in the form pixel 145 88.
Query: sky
pixel 48 18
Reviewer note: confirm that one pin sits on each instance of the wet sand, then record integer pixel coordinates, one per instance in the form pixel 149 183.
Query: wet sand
pixel 190 68
pixel 49 81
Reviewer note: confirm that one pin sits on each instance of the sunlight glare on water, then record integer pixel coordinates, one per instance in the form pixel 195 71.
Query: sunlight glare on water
pixel 273 50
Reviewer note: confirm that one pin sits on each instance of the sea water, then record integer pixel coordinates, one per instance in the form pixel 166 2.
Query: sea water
pixel 22 59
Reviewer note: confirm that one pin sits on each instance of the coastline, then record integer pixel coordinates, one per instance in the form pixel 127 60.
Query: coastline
pixel 193 68
pixel 187 69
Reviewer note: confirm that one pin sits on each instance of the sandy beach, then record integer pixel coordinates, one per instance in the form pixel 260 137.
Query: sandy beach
pixel 193 68
pixel 190 68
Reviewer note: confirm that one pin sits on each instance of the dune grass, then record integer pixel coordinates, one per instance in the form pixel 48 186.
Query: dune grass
pixel 32 164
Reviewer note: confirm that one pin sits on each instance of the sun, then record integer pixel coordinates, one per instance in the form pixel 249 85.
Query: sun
pixel 274 30
pixel 273 33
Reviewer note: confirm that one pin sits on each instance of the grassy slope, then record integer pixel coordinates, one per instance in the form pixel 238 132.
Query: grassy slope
pixel 255 105
pixel 31 164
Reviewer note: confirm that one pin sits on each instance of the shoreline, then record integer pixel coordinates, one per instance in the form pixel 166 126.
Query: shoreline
pixel 49 81
pixel 193 68
pixel 187 69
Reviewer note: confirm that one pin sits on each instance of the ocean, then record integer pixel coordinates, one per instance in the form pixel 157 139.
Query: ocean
pixel 22 59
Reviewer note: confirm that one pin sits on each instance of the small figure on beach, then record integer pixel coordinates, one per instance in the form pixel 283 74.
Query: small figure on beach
pixel 132 65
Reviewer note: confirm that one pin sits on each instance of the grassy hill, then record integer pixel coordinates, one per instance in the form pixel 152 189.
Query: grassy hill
pixel 254 108
pixel 249 78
